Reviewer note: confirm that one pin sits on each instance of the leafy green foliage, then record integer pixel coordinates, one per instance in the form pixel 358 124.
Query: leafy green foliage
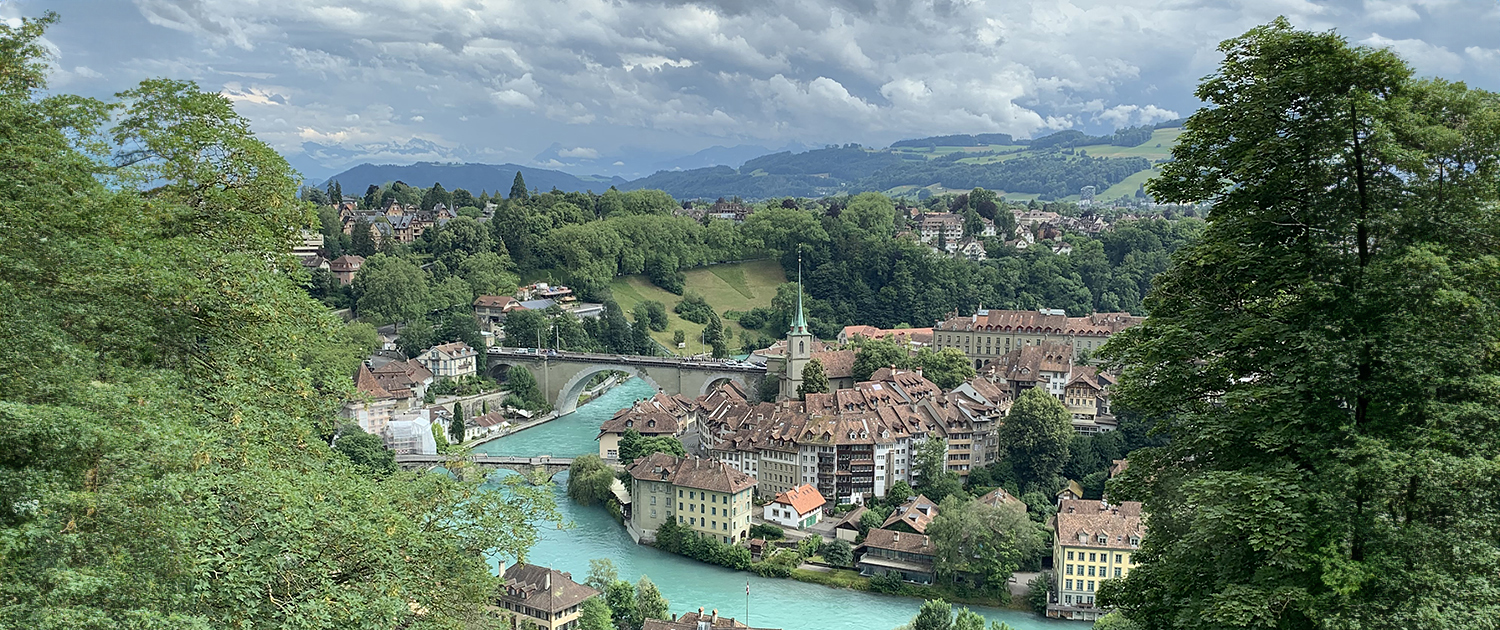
pixel 367 452
pixel 766 531
pixel 602 573
pixel 982 544
pixel 594 614
pixel 935 614
pixel 873 354
pixel 1039 591
pixel 166 439
pixel 814 379
pixel 1036 435
pixel 838 553
pixel 674 538
pixel 634 446
pixel 620 596
pixel 694 308
pixel 1323 361
pixel 589 480
pixel 649 603
pixel 524 392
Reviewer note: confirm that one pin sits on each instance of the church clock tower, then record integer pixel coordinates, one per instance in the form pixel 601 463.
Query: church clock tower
pixel 799 345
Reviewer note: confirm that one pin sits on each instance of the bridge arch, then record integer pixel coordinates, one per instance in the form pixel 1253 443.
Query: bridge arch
pixel 567 397
pixel 710 384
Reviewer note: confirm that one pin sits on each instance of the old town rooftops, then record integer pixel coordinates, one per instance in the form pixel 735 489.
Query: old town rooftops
pixel 1047 321
pixel 693 472
pixel 916 513
pixel 916 544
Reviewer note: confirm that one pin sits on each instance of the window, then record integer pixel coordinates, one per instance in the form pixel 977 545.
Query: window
pixel 1091 570
pixel 679 494
pixel 1070 555
pixel 1067 599
pixel 1091 586
pixel 653 512
pixel 653 500
pixel 1117 558
pixel 1070 585
pixel 1092 557
pixel 1117 571
pixel 1070 571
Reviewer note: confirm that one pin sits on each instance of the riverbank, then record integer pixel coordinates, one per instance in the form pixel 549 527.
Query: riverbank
pixel 591 394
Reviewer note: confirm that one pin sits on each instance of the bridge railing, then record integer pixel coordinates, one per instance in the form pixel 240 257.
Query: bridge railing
pixel 593 357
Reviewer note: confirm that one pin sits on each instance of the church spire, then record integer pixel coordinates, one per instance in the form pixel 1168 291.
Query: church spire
pixel 799 325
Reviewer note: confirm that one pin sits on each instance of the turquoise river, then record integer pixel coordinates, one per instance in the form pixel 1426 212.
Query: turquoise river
pixel 688 584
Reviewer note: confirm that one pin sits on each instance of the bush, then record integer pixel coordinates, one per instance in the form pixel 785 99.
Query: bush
pixel 755 318
pixel 1041 588
pixel 676 539
pixel 694 309
pixel 838 553
pixel 767 531
pixel 889 583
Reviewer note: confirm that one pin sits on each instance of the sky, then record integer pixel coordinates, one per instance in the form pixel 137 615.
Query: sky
pixel 624 86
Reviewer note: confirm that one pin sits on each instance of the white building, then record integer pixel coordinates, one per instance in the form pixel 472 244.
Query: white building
pixel 797 508
pixel 450 360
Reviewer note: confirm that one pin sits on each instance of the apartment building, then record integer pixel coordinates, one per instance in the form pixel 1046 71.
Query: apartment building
pixel 1093 541
pixel 704 496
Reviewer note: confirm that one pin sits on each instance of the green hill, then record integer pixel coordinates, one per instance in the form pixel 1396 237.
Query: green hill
pixel 1056 166
pixel 732 287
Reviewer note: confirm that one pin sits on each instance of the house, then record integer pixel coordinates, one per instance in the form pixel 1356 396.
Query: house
pixel 490 310
pixel 972 249
pixel 695 621
pixel 886 551
pixel 946 225
pixel 450 360
pixel 404 379
pixel 838 366
pixel 485 425
pixel 796 508
pixel 310 243
pixel 410 432
pixel 999 497
pixel 542 597
pixel 705 496
pixel 847 529
pixel 1071 492
pixel 910 339
pixel 1093 541
pixel 375 405
pixel 913 516
pixel 653 417
pixel 990 333
pixel 346 267
pixel 314 261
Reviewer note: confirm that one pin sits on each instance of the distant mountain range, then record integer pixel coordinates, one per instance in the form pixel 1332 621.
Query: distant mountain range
pixel 1054 166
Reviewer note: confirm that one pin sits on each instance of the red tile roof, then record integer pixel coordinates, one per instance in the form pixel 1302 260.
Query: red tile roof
pixel 803 499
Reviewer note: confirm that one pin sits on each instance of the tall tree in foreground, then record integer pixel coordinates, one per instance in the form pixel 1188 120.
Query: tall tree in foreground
pixel 1325 360
pixel 165 428
pixel 518 188
pixel 1036 436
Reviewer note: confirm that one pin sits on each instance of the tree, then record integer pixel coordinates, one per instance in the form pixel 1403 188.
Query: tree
pixel 1040 590
pixel 874 354
pixel 678 338
pixel 986 541
pixel 929 460
pixel 935 614
pixel 966 619
pixel 589 481
pixel 899 492
pixel 620 596
pixel 649 604
pixel 367 452
pixel 947 368
pixel 602 573
pixel 527 329
pixel 488 273
pixel 594 614
pixel 1320 358
pixel 1036 435
pixel 839 553
pixel 390 289
pixel 814 381
pixel 456 425
pixel 634 446
pixel 717 339
pixel 361 241
pixel 518 189
pixel 172 457
pixel 1115 621
pixel 524 392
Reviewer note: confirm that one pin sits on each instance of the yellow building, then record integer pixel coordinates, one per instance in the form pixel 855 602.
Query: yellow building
pixel 706 496
pixel 989 333
pixel 1094 541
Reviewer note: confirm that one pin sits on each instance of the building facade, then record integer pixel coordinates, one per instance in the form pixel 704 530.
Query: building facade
pixel 797 508
pixel 1093 541
pixel 450 360
pixel 703 495
pixel 989 333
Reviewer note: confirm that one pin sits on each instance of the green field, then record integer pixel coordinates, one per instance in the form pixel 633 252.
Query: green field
pixel 736 287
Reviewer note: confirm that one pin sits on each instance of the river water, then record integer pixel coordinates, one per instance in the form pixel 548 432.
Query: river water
pixel 688 584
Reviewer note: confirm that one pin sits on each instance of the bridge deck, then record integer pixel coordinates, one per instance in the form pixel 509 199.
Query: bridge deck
pixel 490 460
pixel 725 365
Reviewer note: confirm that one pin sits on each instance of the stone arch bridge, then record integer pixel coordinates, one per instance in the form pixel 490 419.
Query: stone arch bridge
pixel 563 376
pixel 552 465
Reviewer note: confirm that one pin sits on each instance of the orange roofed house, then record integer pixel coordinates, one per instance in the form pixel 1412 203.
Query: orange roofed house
pixel 796 508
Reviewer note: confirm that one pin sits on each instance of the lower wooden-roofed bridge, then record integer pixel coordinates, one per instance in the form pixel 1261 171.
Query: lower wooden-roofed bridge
pixel 552 465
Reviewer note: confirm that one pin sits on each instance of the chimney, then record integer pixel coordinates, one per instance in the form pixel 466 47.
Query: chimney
pixel 547 581
pixel 895 536
pixel 714 619
pixel 700 611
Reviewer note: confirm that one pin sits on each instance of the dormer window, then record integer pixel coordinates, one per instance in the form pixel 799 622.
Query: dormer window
pixel 1083 537
pixel 1135 541
pixel 1102 538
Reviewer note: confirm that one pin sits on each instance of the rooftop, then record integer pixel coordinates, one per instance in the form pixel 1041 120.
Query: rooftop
pixel 542 588
pixel 802 499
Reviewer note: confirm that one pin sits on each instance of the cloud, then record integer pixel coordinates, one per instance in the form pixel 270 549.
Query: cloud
pixel 681 75
pixel 580 152
pixel 1425 57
